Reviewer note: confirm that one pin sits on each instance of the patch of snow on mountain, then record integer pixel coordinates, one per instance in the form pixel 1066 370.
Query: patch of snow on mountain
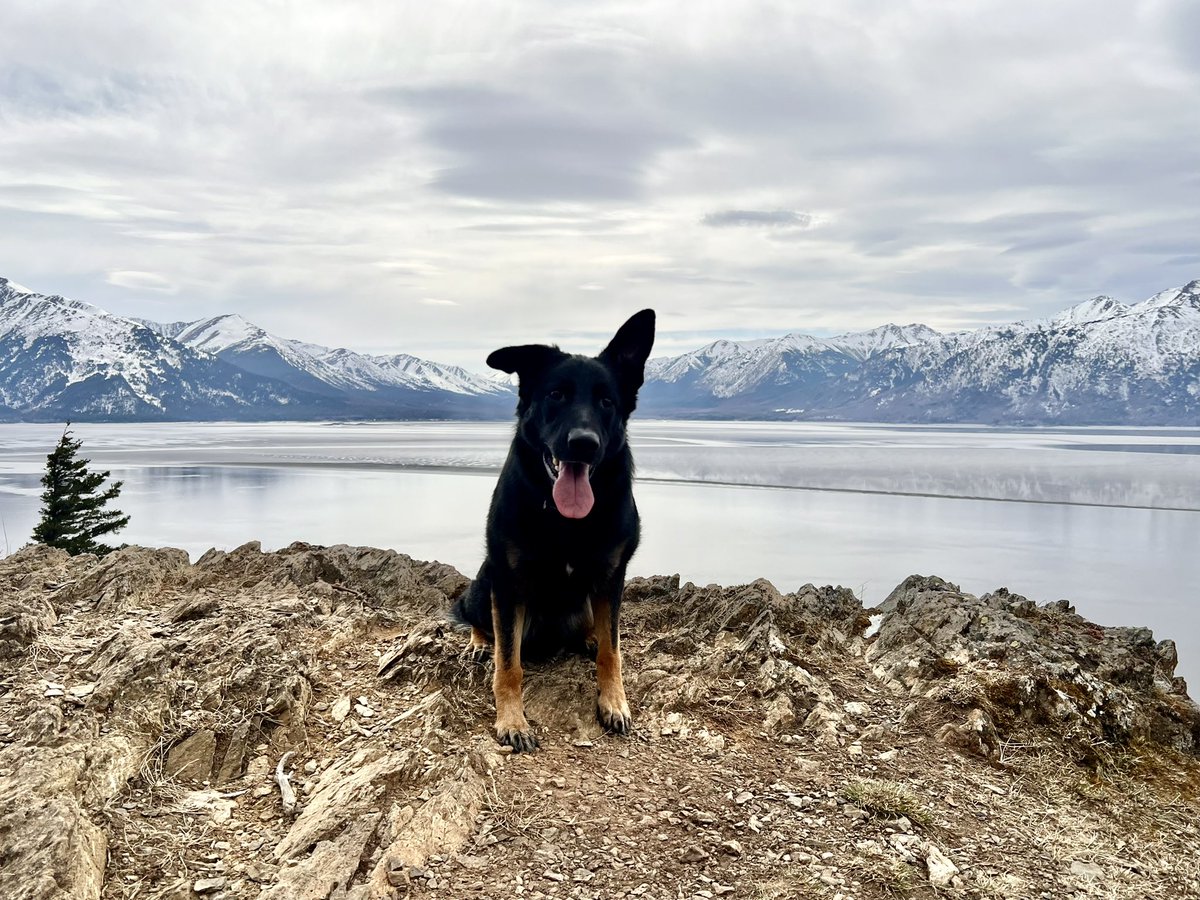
pixel 98 343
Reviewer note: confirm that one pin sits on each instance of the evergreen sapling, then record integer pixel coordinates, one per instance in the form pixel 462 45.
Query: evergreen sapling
pixel 73 504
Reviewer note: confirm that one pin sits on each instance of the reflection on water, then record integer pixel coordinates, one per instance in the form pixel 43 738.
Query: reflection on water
pixel 1127 555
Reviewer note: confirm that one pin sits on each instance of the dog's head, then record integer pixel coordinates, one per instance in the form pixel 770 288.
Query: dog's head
pixel 573 409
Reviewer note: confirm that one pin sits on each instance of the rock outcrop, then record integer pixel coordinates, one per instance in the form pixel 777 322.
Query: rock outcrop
pixel 152 710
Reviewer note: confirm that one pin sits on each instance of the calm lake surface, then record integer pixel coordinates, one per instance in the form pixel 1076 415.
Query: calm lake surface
pixel 1108 518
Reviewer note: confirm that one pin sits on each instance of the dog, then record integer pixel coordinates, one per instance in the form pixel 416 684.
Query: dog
pixel 562 525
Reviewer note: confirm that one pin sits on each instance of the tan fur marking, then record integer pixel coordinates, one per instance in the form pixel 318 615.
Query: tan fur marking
pixel 506 681
pixel 608 662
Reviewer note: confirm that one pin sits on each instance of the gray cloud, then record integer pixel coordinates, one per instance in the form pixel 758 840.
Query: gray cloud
pixel 965 165
pixel 513 147
pixel 757 218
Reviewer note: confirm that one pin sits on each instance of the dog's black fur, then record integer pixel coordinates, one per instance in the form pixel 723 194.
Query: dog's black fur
pixel 555 564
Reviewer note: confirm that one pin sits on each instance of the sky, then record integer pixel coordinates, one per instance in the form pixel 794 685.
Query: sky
pixel 447 178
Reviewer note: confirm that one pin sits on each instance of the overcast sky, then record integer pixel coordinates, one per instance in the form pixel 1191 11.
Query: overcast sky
pixel 444 178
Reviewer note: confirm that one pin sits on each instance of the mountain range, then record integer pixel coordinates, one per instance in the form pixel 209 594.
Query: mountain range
pixel 1099 362
pixel 63 359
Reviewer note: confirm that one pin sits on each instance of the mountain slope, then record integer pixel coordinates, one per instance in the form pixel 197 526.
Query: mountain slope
pixel 1099 362
pixel 398 384
pixel 63 358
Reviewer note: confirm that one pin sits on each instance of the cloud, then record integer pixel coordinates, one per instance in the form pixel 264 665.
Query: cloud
pixel 965 163
pixel 141 281
pixel 433 301
pixel 516 147
pixel 758 218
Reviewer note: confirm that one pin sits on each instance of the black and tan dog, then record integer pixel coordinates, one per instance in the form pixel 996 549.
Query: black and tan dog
pixel 562 524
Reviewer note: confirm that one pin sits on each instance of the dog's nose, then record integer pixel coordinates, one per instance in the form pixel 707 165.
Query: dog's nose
pixel 582 444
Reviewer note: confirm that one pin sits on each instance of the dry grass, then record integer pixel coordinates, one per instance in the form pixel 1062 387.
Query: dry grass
pixel 515 814
pixel 893 877
pixel 887 798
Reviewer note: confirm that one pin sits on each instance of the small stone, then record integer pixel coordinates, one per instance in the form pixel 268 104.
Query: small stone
pixel 732 848
pixel 582 876
pixel 558 781
pixel 722 889
pixel 310 767
pixel 554 876
pixel 855 749
pixel 340 709
pixel 364 711
pixel 855 708
pixel 397 874
pixel 888 755
pixel 693 854
pixel 209 885
pixel 941 869
pixel 192 758
pixel 743 798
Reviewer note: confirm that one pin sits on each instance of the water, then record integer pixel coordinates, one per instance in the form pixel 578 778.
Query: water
pixel 1107 518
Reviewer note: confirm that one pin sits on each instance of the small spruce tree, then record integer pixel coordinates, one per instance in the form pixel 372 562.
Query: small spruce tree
pixel 73 506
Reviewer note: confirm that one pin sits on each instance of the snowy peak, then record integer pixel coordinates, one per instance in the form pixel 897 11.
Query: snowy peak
pixel 325 369
pixel 1187 296
pixel 864 344
pixel 11 288
pixel 1095 310
pixel 220 333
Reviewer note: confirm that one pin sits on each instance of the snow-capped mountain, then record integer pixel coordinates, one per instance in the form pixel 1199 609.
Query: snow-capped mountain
pixel 63 358
pixel 314 367
pixel 1099 362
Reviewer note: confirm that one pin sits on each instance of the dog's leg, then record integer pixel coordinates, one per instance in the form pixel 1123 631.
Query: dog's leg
pixel 612 709
pixel 511 726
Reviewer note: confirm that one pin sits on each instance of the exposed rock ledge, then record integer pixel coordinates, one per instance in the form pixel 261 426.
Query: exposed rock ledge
pixel 973 746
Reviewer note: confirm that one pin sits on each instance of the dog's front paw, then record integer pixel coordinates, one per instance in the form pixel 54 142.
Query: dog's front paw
pixel 519 737
pixel 615 717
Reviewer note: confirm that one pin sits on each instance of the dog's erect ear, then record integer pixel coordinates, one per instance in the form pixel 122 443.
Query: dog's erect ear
pixel 627 353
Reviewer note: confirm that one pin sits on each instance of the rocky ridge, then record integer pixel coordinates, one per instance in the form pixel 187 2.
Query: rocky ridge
pixel 305 724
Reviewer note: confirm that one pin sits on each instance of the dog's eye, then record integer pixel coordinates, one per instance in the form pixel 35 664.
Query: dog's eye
pixel 606 402
pixel 556 395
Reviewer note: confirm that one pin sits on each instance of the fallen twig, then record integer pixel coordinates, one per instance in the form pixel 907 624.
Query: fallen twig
pixel 285 788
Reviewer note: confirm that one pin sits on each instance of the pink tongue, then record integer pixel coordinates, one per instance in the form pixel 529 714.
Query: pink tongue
pixel 573 491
